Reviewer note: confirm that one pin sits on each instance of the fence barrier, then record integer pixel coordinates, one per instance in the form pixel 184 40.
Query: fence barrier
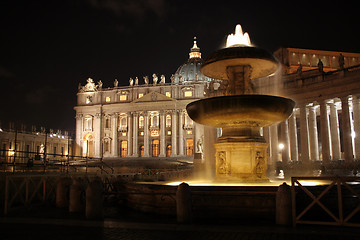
pixel 335 202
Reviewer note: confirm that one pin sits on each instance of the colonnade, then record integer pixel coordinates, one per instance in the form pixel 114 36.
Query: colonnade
pixel 329 131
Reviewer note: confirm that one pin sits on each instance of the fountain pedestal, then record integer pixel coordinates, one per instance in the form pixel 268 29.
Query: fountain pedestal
pixel 245 161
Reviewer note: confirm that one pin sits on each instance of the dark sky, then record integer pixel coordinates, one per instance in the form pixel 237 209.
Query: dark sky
pixel 48 47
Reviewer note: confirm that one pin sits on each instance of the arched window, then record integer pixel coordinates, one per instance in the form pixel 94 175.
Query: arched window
pixel 141 150
pixel 107 146
pixel 107 123
pixel 155 148
pixel 168 120
pixel 141 121
pixel 168 150
pixel 188 122
pixel 155 120
pixel 123 149
pixel 88 123
pixel 123 122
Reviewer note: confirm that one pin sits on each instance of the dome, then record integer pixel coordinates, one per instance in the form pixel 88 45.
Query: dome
pixel 189 72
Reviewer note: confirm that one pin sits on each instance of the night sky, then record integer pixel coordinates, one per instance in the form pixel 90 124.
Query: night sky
pixel 48 47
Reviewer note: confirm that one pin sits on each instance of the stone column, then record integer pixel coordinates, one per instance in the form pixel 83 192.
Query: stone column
pixel 174 133
pixel 325 136
pixel 97 137
pixel 285 152
pixel 293 137
pixel 136 134
pixel 313 135
pixel 356 116
pixel 181 133
pixel 115 144
pixel 334 132
pixel 130 135
pixel 162 134
pixel 304 135
pixel 146 135
pixel 79 136
pixel 346 129
pixel 274 145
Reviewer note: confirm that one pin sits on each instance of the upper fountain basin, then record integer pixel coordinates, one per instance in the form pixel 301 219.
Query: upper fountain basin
pixel 240 111
pixel 261 62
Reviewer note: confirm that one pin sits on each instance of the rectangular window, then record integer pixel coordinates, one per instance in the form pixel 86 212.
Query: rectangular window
pixel 140 95
pixel 123 97
pixel 107 99
pixel 188 93
pixel 168 94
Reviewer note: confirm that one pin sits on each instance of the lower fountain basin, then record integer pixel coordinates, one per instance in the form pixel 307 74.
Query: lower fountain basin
pixel 240 111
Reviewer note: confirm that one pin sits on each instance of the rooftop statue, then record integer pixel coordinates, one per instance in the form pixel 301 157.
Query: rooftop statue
pixel 136 81
pixel 100 84
pixel 162 79
pixel 116 83
pixel 155 79
pixel 146 80
pixel 131 82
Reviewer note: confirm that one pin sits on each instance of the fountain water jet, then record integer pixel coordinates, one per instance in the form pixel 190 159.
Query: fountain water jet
pixel 241 150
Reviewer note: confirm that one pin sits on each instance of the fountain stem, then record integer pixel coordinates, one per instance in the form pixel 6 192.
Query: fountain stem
pixel 239 80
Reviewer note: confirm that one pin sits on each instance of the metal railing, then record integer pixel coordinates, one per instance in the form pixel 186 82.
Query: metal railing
pixel 24 161
pixel 336 202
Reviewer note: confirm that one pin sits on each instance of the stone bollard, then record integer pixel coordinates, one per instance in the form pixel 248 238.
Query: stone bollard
pixel 62 192
pixel 94 200
pixel 283 205
pixel 76 201
pixel 183 203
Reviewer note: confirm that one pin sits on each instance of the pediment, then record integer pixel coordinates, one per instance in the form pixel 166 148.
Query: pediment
pixel 153 97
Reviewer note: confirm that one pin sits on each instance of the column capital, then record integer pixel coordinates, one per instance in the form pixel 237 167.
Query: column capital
pixel 79 116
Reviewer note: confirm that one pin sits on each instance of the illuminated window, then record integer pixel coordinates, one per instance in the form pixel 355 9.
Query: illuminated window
pixel 168 94
pixel 189 147
pixel 140 95
pixel 107 99
pixel 141 121
pixel 154 119
pixel 141 133
pixel 123 150
pixel 123 134
pixel 168 120
pixel 168 150
pixel 189 132
pixel 123 97
pixel 123 122
pixel 188 93
pixel 88 124
pixel 168 132
pixel 141 150
pixel 155 148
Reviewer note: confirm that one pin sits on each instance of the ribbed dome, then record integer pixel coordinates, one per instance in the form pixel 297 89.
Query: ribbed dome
pixel 189 72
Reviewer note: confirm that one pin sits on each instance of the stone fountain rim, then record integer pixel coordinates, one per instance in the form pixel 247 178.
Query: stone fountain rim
pixel 262 61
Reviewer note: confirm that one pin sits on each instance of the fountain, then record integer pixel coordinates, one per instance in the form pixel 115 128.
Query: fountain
pixel 242 188
pixel 241 113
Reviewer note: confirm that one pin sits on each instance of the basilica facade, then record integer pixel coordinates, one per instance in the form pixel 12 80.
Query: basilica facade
pixel 147 118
